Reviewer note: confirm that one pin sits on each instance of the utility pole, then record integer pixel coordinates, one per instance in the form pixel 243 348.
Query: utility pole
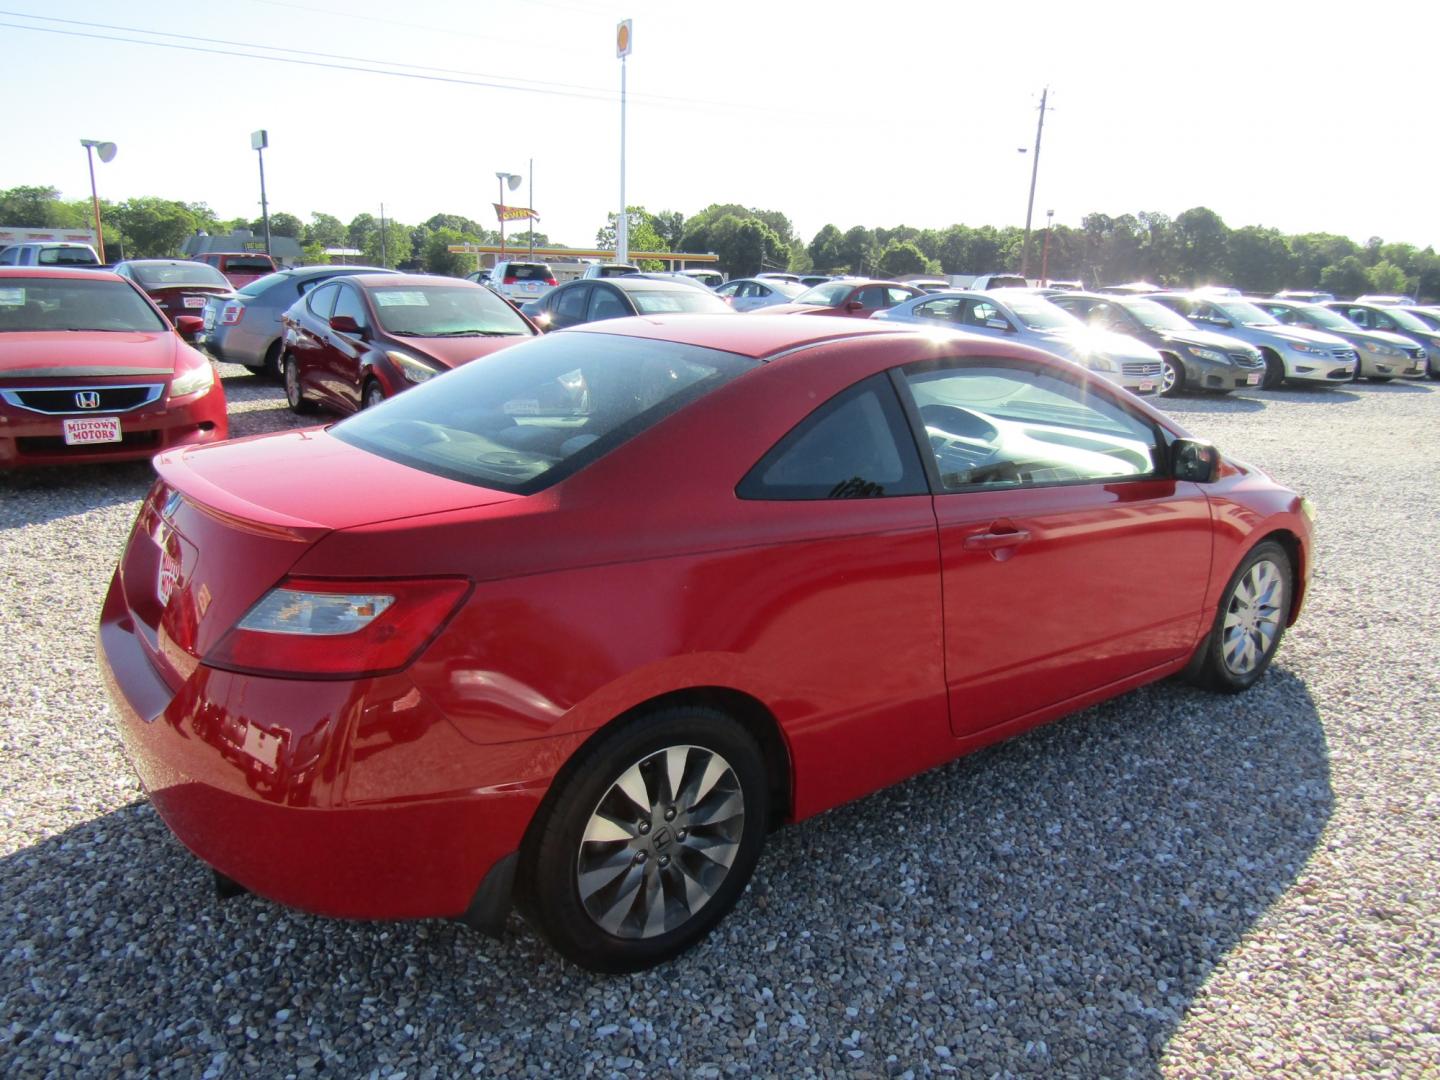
pixel 1034 172
pixel 623 40
pixel 532 209
pixel 384 256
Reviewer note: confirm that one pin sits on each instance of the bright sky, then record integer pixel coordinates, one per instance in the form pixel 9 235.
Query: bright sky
pixel 1299 116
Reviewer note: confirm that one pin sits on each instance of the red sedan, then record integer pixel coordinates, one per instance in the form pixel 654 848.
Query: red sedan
pixel 355 341
pixel 847 296
pixel 90 370
pixel 578 625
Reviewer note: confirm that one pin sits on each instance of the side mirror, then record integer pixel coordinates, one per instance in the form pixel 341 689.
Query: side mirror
pixel 345 324
pixel 189 327
pixel 853 305
pixel 1194 460
pixel 999 324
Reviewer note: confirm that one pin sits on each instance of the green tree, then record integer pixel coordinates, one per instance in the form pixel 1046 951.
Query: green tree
pixel 1260 259
pixel 42 208
pixel 460 224
pixel 799 261
pixel 396 248
pixel 825 249
pixel 857 250
pixel 1348 277
pixel 153 228
pixel 1387 278
pixel 641 236
pixel 1201 238
pixel 360 229
pixel 903 257
pixel 281 224
pixel 439 259
pixel 326 230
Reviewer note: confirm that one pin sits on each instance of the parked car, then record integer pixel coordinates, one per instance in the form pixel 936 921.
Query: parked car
pixel 245 329
pixel 929 285
pixel 778 275
pixel 1194 359
pixel 853 297
pixel 985 282
pixel 91 370
pixel 1130 288
pixel 583 301
pixel 584 621
pixel 609 270
pixel 522 281
pixel 1384 298
pixel 49 253
pixel 240 267
pixel 1290 352
pixel 811 280
pixel 711 279
pixel 178 286
pixel 751 294
pixel 1430 316
pixel 1020 315
pixel 1065 286
pixel 1381 355
pixel 480 277
pixel 355 341
pixel 1395 320
pixel 1307 296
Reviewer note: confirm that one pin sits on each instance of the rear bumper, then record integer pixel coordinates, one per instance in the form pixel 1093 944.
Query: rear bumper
pixel 349 799
pixel 33 439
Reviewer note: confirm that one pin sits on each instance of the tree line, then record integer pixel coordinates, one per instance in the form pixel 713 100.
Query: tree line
pixel 1195 247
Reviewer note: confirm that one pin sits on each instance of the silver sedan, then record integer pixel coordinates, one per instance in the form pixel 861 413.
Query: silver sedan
pixel 751 294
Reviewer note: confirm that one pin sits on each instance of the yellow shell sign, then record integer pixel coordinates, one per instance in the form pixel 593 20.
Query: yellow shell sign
pixel 622 39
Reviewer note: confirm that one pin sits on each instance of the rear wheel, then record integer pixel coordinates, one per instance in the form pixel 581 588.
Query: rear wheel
pixel 1172 376
pixel 649 840
pixel 274 362
pixel 1274 372
pixel 374 394
pixel 294 395
pixel 1250 622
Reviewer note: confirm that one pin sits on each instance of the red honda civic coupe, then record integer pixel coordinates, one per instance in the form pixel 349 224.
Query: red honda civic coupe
pixel 353 342
pixel 577 625
pixel 91 370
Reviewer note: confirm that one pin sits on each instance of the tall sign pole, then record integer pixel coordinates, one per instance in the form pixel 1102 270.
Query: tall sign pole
pixel 259 140
pixel 623 39
pixel 1034 172
pixel 532 209
pixel 107 153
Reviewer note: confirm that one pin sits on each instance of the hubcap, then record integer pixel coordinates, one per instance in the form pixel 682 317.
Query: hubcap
pixel 660 842
pixel 292 382
pixel 1252 619
pixel 1169 377
pixel 373 396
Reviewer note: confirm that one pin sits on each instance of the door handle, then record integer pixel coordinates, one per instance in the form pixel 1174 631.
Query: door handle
pixel 994 541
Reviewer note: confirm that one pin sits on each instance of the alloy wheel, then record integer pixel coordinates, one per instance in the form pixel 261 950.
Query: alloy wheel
pixel 1252 618
pixel 660 842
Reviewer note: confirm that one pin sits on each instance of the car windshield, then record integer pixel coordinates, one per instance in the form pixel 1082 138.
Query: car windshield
pixel 524 418
pixel 445 311
pixel 1405 319
pixel 1157 316
pixel 1040 314
pixel 683 298
pixel 830 294
pixel 1323 316
pixel 1429 316
pixel 259 285
pixel 62 304
pixel 1244 313
pixel 169 275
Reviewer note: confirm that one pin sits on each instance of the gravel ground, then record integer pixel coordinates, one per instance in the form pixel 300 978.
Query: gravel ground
pixel 1169 884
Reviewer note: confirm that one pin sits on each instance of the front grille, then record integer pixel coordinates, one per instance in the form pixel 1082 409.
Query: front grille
pixel 66 401
pixel 1338 374
pixel 1246 360
pixel 1417 353
pixel 1141 369
pixel 1346 354
pixel 130 442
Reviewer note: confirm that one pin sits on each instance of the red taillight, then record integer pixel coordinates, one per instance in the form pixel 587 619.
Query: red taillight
pixel 322 628
pixel 508 280
pixel 551 281
pixel 231 313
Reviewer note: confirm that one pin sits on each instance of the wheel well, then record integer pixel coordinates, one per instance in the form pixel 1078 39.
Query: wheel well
pixel 1291 543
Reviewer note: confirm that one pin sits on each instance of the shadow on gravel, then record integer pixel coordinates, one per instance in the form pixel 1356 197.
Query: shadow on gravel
pixel 1209 403
pixel 33 496
pixel 1049 905
pixel 1396 386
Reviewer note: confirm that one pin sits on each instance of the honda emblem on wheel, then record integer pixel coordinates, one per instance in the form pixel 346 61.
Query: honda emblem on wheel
pixel 87 399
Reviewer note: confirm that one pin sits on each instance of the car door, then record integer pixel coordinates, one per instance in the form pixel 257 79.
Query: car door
pixel 567 305
pixel 985 317
pixel 947 311
pixel 1071 561
pixel 344 350
pixel 872 298
pixel 309 325
pixel 606 302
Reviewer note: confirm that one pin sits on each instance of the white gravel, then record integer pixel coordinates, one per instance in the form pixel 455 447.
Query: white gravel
pixel 1173 883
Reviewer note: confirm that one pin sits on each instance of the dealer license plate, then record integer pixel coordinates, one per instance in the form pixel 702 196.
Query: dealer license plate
pixel 92 429
pixel 194 301
pixel 167 577
pixel 1253 378
pixel 1146 387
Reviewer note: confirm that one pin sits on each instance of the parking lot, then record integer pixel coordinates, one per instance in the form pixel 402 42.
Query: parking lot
pixel 1172 883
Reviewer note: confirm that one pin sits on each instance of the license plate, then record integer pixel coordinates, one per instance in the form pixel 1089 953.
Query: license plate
pixel 92 429
pixel 1146 386
pixel 531 288
pixel 167 577
pixel 194 301
pixel 1253 379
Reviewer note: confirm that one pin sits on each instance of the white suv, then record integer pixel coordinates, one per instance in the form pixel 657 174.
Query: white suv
pixel 521 281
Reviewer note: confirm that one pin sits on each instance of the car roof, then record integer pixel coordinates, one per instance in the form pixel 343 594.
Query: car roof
pixel 393 280
pixel 308 271
pixel 76 273
pixel 741 334
pixel 160 262
pixel 628 282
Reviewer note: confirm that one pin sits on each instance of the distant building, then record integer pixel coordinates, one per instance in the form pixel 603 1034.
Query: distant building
pixel 285 250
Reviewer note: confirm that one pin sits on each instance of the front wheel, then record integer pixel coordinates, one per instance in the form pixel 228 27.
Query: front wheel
pixel 374 394
pixel 649 840
pixel 1250 622
pixel 1274 372
pixel 1172 376
pixel 294 395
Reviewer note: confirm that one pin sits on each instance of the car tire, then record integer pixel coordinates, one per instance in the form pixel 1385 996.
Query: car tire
pixel 1172 376
pixel 274 362
pixel 1249 622
pixel 1274 372
pixel 294 395
pixel 621 872
pixel 374 394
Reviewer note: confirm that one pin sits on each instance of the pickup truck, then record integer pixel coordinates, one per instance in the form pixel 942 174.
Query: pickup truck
pixel 50 253
pixel 239 267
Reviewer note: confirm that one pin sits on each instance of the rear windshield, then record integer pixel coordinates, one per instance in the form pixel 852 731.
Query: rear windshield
pixel 169 275
pixel 830 294
pixel 528 271
pixel 618 270
pixel 248 264
pixel 445 311
pixel 259 285
pixel 66 256
pixel 56 304
pixel 525 418
pixel 684 298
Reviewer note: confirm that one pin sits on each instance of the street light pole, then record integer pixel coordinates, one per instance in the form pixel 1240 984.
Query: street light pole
pixel 623 42
pixel 107 153
pixel 1034 173
pixel 532 209
pixel 1045 250
pixel 259 140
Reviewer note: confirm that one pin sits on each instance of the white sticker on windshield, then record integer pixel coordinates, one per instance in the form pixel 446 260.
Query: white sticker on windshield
pixel 12 297
pixel 397 298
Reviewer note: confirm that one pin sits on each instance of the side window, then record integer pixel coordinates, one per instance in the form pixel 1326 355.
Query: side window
pixel 996 424
pixel 321 301
pixel 729 289
pixel 982 312
pixel 1359 316
pixel 872 297
pixel 606 304
pixel 348 302
pixel 570 304
pixel 947 310
pixel 1383 322
pixel 8 256
pixel 895 296
pixel 857 445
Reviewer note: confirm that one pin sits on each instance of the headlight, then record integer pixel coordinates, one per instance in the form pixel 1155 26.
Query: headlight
pixel 414 370
pixel 198 378
pixel 1100 363
pixel 1208 354
pixel 1380 348
pixel 1308 349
